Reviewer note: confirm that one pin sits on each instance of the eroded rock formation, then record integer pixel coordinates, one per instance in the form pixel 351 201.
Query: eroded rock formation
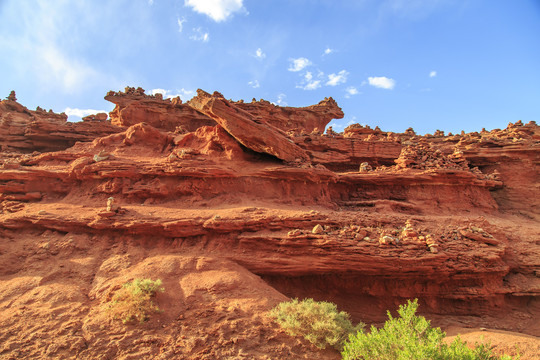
pixel 294 119
pixel 27 130
pixel 251 131
pixel 133 106
pixel 213 195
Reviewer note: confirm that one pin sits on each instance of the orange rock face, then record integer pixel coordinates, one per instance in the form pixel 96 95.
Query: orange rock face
pixel 238 206
pixel 255 134
pixel 133 107
pixel 294 119
pixel 27 130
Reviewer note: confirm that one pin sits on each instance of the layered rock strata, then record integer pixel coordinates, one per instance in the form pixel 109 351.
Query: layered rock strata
pixel 24 130
pixel 364 218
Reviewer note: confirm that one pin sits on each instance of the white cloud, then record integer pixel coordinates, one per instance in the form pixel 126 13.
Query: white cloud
pixel 38 49
pixel 340 78
pixel 254 84
pixel 150 2
pixel 217 10
pixel 199 35
pixel 340 125
pixel 312 85
pixel 169 94
pixel 82 112
pixel 351 90
pixel 259 54
pixel 309 83
pixel 159 91
pixel 432 74
pixel 328 51
pixel 58 68
pixel 281 100
pixel 382 82
pixel 352 121
pixel 180 24
pixel 298 64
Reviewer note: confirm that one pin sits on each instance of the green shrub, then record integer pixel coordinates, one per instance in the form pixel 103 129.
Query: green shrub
pixel 134 301
pixel 410 337
pixel 318 322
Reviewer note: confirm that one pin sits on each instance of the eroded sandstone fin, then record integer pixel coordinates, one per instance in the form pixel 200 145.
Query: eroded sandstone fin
pixel 257 136
pixel 294 119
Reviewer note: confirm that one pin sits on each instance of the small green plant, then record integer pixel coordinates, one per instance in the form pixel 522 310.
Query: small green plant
pixel 411 337
pixel 318 321
pixel 134 301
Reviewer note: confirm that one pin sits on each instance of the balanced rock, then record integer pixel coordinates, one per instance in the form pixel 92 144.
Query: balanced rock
pixel 253 133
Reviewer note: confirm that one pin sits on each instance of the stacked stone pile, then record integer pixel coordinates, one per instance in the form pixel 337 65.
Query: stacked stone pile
pixel 514 133
pixel 423 156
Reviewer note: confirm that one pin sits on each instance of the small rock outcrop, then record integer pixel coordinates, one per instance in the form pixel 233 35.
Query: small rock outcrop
pixel 11 96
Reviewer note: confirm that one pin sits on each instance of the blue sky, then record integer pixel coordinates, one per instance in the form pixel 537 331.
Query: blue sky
pixel 429 64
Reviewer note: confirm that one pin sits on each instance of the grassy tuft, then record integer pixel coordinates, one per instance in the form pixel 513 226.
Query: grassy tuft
pixel 134 301
pixel 318 321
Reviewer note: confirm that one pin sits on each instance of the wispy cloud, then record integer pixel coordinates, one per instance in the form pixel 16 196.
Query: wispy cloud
pixel 313 85
pixel 39 49
pixel 180 24
pixel 60 68
pixel 298 64
pixel 432 74
pixel 259 54
pixel 200 35
pixel 336 79
pixel 339 125
pixel 254 84
pixel 281 100
pixel 411 9
pixel 169 94
pixel 350 91
pixel 382 82
pixel 82 112
pixel 217 10
pixel 328 51
pixel 309 83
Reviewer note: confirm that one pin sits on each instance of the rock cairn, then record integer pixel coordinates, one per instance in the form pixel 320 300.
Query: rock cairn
pixel 12 96
pixel 423 156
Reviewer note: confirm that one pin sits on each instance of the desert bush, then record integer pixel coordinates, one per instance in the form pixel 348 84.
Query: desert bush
pixel 411 337
pixel 134 301
pixel 318 321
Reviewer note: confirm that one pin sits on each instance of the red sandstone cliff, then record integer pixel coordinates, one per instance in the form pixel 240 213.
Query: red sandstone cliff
pixel 24 130
pixel 228 202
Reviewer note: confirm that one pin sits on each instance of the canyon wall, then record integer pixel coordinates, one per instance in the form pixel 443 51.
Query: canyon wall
pixel 364 218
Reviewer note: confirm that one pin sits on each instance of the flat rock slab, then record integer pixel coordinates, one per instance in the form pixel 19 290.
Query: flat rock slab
pixel 256 135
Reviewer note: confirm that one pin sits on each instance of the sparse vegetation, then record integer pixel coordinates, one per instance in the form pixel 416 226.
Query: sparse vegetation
pixel 134 301
pixel 411 337
pixel 408 337
pixel 318 321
